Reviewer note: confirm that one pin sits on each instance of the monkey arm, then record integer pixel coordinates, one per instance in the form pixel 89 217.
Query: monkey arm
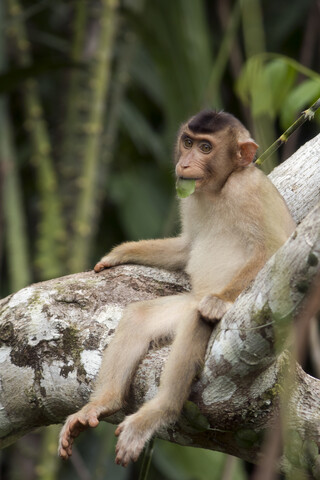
pixel 212 307
pixel 169 253
pixel 243 278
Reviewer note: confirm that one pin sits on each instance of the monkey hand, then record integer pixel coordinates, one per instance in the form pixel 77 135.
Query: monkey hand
pixel 105 262
pixel 117 256
pixel 212 308
pixel 112 259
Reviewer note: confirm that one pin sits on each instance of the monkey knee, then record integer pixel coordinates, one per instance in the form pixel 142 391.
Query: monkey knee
pixel 133 315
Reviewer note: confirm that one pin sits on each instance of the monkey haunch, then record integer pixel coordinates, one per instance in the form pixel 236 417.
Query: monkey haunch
pixel 232 223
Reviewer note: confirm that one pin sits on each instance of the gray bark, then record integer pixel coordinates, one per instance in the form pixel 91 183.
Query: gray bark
pixel 52 335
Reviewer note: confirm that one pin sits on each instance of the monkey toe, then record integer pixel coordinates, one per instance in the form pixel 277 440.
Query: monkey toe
pixel 65 449
pixel 63 454
pixel 121 460
pixel 75 424
pixel 126 453
pixel 66 441
pixel 118 430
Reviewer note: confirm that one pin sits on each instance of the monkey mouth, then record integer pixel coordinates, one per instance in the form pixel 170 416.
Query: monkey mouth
pixel 189 178
pixel 197 180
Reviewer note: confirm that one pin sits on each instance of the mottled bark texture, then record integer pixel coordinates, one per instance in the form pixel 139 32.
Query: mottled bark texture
pixel 52 335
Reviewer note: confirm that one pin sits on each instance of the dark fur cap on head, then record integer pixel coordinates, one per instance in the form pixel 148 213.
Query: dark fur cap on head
pixel 210 121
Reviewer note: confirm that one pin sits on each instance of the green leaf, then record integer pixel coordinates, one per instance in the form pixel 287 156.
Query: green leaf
pixel 185 187
pixel 253 87
pixel 145 75
pixel 299 98
pixel 280 76
pixel 196 419
pixel 247 438
pixel 141 133
pixel 293 447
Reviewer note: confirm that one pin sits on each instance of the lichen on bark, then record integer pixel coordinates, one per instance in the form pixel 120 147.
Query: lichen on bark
pixel 52 336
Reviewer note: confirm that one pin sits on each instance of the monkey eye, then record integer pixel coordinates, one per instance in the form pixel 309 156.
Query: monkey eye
pixel 205 147
pixel 187 142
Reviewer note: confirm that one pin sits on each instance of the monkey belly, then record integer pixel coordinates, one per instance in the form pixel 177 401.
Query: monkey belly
pixel 212 269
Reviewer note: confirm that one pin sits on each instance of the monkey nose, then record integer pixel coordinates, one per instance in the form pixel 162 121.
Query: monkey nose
pixel 185 165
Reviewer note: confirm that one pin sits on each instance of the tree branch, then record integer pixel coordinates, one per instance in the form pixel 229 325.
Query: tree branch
pixel 52 335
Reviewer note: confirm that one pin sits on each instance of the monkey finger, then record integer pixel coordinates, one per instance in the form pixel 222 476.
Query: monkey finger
pixel 99 267
pixel 212 308
pixel 105 262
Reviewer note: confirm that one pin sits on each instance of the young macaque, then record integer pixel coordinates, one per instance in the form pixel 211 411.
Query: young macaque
pixel 231 224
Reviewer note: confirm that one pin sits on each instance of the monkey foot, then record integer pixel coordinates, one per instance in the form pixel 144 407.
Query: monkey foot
pixel 213 308
pixel 74 425
pixel 132 438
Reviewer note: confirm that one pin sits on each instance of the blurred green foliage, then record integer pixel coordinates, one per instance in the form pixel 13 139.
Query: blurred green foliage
pixel 91 96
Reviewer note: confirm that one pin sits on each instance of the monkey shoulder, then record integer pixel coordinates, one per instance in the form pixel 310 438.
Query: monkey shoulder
pixel 244 186
pixel 261 207
pixel 253 198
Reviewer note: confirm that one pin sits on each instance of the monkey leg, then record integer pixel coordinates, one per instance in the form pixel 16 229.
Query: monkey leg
pixel 185 360
pixel 141 323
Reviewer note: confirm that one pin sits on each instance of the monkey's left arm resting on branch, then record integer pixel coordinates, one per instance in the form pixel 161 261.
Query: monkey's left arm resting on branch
pixel 52 335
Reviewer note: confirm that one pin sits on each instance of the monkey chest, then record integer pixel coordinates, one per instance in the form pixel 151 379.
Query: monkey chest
pixel 215 258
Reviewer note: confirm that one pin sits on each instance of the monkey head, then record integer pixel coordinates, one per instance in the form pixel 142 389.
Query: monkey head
pixel 210 146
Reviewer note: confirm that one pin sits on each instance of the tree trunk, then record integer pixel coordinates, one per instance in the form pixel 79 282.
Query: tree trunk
pixel 52 335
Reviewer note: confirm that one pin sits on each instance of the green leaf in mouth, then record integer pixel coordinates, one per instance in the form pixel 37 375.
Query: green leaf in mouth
pixel 185 187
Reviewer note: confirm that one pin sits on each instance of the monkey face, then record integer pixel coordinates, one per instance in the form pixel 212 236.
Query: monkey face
pixel 205 158
pixel 194 153
pixel 210 147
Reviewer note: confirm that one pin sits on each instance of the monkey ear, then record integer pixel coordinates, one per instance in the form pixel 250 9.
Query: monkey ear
pixel 247 151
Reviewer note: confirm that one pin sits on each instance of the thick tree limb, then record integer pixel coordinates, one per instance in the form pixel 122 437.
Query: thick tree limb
pixel 52 335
